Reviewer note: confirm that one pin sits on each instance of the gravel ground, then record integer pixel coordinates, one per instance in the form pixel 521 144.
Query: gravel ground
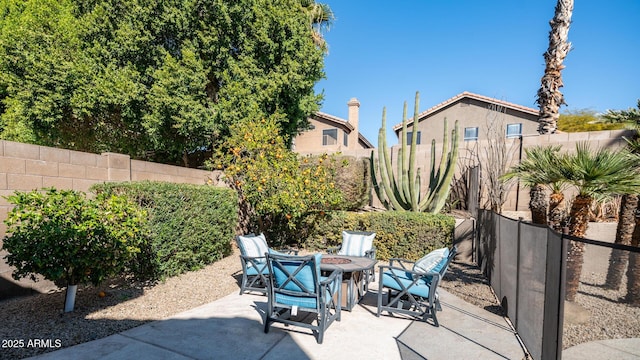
pixel 599 314
pixel 40 317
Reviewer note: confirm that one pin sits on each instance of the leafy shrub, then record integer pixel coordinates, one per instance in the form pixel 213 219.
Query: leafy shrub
pixel 279 186
pixel 190 225
pixel 353 179
pixel 71 240
pixel 408 235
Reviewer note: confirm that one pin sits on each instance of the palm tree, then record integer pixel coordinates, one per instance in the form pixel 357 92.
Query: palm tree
pixel 626 223
pixel 633 270
pixel 538 171
pixel 549 96
pixel 592 173
pixel 624 232
pixel 320 17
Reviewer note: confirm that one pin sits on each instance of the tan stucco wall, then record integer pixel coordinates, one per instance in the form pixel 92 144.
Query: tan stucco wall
pixel 310 141
pixel 471 113
pixel 26 167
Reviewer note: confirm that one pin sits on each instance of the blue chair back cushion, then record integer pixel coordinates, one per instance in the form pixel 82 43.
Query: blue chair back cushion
pixel 308 276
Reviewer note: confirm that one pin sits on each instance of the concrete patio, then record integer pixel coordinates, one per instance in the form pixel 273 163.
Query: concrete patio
pixel 232 327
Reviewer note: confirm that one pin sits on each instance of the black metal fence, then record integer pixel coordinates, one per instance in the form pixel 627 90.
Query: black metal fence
pixel 526 265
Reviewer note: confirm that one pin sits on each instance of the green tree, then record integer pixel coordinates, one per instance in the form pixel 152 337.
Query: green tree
pixel 71 240
pixel 160 80
pixel 549 96
pixel 321 17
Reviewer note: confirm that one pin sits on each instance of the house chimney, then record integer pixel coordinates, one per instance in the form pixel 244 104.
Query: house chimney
pixel 354 108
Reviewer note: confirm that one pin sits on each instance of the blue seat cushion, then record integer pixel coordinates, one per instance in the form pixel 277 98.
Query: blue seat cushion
pixel 301 301
pixel 420 288
pixel 251 270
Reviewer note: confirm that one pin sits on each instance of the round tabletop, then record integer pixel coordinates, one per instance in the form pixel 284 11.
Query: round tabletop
pixel 346 263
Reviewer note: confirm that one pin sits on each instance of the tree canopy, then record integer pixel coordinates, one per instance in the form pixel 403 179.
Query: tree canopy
pixel 158 80
pixel 584 120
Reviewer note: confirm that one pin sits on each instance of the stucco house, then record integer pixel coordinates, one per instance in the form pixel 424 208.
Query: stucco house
pixel 329 134
pixel 474 114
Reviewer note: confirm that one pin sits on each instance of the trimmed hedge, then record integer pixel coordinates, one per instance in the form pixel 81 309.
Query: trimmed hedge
pixel 191 225
pixel 408 235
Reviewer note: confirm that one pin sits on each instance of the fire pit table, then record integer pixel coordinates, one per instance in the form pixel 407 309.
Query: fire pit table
pixel 352 275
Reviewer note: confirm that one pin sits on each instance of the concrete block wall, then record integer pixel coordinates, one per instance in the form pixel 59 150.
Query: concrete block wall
pixel 26 167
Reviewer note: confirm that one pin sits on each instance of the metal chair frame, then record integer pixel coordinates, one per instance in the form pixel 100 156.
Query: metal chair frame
pixel 326 293
pixel 406 299
pixel 255 282
pixel 369 275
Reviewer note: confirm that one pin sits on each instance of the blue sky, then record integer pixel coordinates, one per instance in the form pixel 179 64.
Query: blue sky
pixel 382 52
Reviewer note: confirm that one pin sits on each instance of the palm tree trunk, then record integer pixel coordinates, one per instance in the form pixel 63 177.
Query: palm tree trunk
pixel 557 211
pixel 538 204
pixel 633 270
pixel 549 96
pixel 618 259
pixel 579 220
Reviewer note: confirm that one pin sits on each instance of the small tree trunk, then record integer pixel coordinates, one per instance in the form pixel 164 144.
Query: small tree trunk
pixel 70 298
pixel 577 227
pixel 633 270
pixel 557 211
pixel 618 259
pixel 538 204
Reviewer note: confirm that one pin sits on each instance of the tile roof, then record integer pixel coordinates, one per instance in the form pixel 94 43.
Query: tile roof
pixel 342 122
pixel 467 94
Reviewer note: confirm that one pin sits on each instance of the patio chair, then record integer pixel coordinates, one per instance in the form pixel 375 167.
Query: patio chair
pixel 295 285
pixel 254 263
pixel 358 243
pixel 412 286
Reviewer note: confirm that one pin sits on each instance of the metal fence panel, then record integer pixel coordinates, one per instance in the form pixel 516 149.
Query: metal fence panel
pixel 508 260
pixel 531 292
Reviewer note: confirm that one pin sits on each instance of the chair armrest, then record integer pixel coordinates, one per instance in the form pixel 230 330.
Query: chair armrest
pixel 404 263
pixel 371 253
pixel 431 275
pixel 288 251
pixel 333 250
pixel 253 258
pixel 335 275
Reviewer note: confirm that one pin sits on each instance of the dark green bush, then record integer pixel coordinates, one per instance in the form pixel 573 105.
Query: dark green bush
pixel 190 225
pixel 408 235
pixel 353 179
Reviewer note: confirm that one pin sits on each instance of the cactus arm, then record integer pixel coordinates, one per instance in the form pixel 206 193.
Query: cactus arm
pixel 376 186
pixel 402 161
pixel 413 191
pixel 386 172
pixel 441 191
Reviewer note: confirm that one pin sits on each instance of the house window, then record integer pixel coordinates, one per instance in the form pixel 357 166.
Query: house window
pixel 514 130
pixel 410 137
pixel 470 133
pixel 345 139
pixel 329 137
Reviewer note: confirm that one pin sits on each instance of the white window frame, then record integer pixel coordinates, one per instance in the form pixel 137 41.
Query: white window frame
pixel 470 137
pixel 517 134
pixel 329 137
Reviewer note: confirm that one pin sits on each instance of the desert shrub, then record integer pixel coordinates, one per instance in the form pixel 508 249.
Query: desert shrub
pixel 190 225
pixel 72 240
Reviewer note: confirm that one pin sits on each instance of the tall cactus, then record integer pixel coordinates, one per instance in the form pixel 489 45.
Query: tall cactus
pixel 401 190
